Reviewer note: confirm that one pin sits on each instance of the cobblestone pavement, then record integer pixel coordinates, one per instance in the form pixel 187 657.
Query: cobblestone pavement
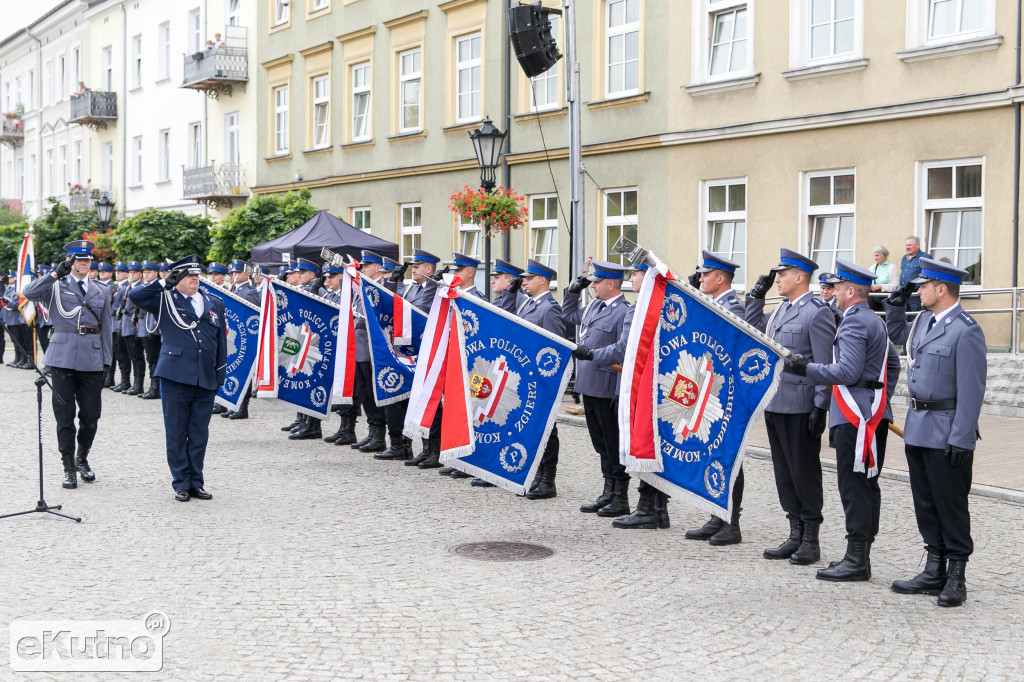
pixel 312 562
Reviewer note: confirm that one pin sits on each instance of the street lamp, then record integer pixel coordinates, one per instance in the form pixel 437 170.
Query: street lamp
pixel 487 143
pixel 104 207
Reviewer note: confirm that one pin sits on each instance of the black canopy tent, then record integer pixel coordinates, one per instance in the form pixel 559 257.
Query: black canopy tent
pixel 323 229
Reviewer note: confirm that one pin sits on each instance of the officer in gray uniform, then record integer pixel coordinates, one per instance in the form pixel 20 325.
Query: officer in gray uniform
pixel 600 324
pixel 388 268
pixel 369 268
pixel 15 321
pixel 714 277
pixel 946 380
pixel 149 335
pixel 117 303
pixel 130 330
pixel 866 364
pixel 421 294
pixel 240 284
pixel 79 351
pixel 539 307
pixel 44 325
pixel 798 413
pixel 506 285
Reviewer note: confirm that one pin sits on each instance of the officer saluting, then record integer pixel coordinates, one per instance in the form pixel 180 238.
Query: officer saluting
pixel 600 326
pixel 864 374
pixel 191 368
pixel 79 351
pixel 946 380
pixel 798 413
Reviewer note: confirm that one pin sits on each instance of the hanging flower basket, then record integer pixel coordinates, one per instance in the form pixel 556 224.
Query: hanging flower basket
pixel 496 212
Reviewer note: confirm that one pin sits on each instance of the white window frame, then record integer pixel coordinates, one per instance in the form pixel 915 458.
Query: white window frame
pixel 365 211
pixel 137 160
pixel 545 82
pixel 612 33
pixel 413 229
pixel 319 5
pixel 281 132
pixel 546 224
pixel 470 239
pixel 800 36
pixel 76 65
pixel 233 13
pixel 623 221
pixel 321 90
pixel 232 137
pixel 48 83
pixel 811 213
pixel 163 32
pixel 282 12
pixel 77 162
pixel 62 78
pixel 136 61
pixel 107 67
pixel 928 207
pixel 196 153
pixel 62 168
pixel 703 22
pixel 711 218
pixel 919 15
pixel 409 78
pixel 48 171
pixel 362 75
pixel 107 166
pixel 164 149
pixel 473 68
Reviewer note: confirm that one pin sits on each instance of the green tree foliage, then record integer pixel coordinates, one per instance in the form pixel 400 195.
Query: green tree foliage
pixel 155 235
pixel 265 217
pixel 57 226
pixel 11 235
pixel 9 217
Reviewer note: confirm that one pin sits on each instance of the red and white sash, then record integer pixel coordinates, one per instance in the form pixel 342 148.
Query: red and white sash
pixel 345 365
pixel 865 458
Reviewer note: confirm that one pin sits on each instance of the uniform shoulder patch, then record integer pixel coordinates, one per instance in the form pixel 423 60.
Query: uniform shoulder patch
pixel 817 302
pixel 968 320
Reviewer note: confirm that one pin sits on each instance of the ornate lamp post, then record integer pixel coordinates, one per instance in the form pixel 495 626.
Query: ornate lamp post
pixel 104 209
pixel 487 143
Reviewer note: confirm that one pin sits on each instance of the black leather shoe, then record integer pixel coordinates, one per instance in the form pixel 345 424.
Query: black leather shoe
pixel 808 552
pixel 227 415
pixel 181 496
pixel 728 535
pixel 199 494
pixel 311 431
pixel 713 525
pixel 219 409
pixel 604 498
pixel 619 504
pixel 121 387
pixel 445 471
pixel 545 490
pixel 415 461
pixel 294 424
pixel 645 516
pixel 855 566
pixel 397 450
pixel 70 480
pixel 481 483
pixel 931 580
pixel 241 414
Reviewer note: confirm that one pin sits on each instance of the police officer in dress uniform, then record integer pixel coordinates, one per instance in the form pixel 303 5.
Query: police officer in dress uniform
pixel 861 353
pixel 714 277
pixel 107 279
pixel 464 267
pixel 216 273
pixel 78 352
pixel 16 325
pixel 946 380
pixel 421 294
pixel 118 300
pixel 304 274
pixel 346 433
pixel 369 268
pixel 193 359
pixel 130 330
pixel 149 335
pixel 388 267
pixel 798 413
pixel 540 308
pixel 600 325
pixel 827 293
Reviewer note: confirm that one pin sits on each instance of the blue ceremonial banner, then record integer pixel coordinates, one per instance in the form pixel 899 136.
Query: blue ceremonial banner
pixel 709 375
pixel 307 335
pixel 243 326
pixel 393 366
pixel 516 374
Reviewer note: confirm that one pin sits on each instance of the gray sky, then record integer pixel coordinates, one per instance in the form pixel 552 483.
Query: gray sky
pixel 18 14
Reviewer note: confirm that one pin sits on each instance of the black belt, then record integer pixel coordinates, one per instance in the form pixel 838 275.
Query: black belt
pixel 85 330
pixel 949 404
pixel 864 383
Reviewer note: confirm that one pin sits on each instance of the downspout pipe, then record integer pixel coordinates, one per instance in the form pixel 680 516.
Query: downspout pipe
pixel 1016 160
pixel 507 115
pixel 37 98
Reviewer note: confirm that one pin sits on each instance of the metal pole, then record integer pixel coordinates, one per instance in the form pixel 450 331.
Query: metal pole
pixel 506 56
pixel 1016 162
pixel 575 151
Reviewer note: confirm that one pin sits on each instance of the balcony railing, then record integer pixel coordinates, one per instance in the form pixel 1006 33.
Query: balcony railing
pixel 217 70
pixel 94 109
pixel 219 184
pixel 13 132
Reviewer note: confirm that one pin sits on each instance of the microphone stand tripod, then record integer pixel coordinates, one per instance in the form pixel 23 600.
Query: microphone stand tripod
pixel 41 505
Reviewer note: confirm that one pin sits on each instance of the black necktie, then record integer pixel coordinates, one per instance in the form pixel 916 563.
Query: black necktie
pixel 81 285
pixel 931 324
pixel 598 307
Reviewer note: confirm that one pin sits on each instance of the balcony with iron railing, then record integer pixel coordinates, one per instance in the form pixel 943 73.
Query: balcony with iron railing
pixel 84 197
pixel 13 132
pixel 217 70
pixel 219 184
pixel 94 109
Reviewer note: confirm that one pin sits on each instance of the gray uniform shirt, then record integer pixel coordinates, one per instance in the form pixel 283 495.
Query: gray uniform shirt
pixel 600 326
pixel 68 348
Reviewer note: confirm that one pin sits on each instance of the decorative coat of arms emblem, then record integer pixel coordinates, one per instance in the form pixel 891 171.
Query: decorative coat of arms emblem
pixel 673 313
pixel 299 349
pixel 689 397
pixel 493 390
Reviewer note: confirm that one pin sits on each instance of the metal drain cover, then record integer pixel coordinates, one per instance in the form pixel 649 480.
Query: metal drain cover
pixel 502 551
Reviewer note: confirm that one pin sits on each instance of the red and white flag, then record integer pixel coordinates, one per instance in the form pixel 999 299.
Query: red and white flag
pixel 266 354
pixel 26 268
pixel 343 389
pixel 402 321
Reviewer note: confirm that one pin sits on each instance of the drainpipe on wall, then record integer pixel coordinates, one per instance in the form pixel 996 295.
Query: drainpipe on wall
pixel 124 110
pixel 38 100
pixel 206 119
pixel 1016 161
pixel 506 58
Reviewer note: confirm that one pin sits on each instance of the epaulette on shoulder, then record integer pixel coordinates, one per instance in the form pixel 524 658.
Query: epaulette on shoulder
pixel 552 301
pixel 817 302
pixel 968 320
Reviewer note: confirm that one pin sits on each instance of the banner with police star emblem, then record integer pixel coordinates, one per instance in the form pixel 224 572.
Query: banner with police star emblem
pixel 242 321
pixel 393 365
pixel 502 381
pixel 305 349
pixel 694 380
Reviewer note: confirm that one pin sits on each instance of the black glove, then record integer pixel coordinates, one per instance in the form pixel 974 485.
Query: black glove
pixel 583 353
pixel 360 323
pixel 438 276
pixel 900 297
pixel 764 283
pixel 817 420
pixel 399 274
pixel 958 456
pixel 64 269
pixel 797 365
pixel 173 278
pixel 694 280
pixel 578 284
pixel 282 276
pixel 515 285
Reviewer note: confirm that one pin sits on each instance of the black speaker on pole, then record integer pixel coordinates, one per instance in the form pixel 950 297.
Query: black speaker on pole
pixel 529 29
